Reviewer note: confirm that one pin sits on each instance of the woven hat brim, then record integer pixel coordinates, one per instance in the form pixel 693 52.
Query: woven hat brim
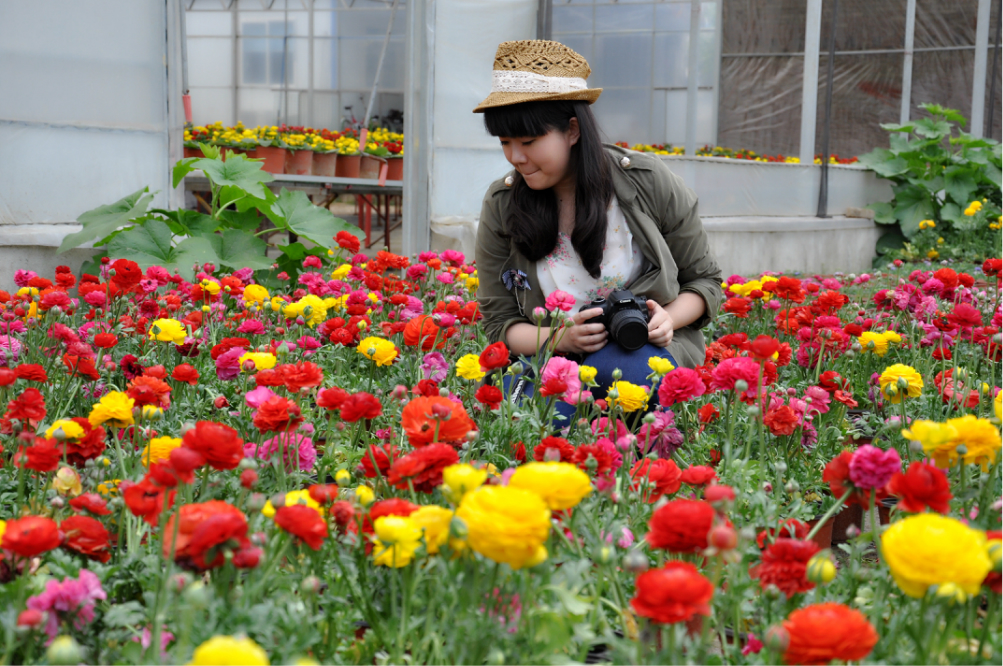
pixel 589 95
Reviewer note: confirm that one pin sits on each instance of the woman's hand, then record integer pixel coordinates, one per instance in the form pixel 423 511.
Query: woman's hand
pixel 582 338
pixel 661 328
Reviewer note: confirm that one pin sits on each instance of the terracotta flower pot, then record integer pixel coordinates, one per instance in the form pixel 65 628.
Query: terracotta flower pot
pixel 348 166
pixel 885 507
pixel 848 516
pixel 395 168
pixel 251 154
pixel 325 164
pixel 824 535
pixel 299 162
pixel 370 167
pixel 192 152
pixel 275 158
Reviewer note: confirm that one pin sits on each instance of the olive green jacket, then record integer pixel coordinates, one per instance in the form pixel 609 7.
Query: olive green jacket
pixel 661 213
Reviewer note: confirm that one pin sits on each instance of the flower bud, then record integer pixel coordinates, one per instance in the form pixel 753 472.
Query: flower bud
pixel 64 650
pixel 951 593
pixel 247 463
pixel 635 562
pixel 198 595
pixel 821 568
pixel 617 374
pixel 777 638
pixel 30 618
pixel 741 386
pixel 723 537
pixel 311 585
pixel 248 478
pixel 278 499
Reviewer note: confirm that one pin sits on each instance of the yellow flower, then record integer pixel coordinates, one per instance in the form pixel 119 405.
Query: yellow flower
pixel 255 293
pixel 340 272
pixel 159 449
pixel 560 484
pixel 71 429
pixel 506 524
pixel 365 495
pixel 660 366
pixel 227 650
pixel 587 374
pixel 114 409
pixel 109 487
pixel 630 397
pixel 168 330
pixel 342 477
pixel 472 283
pixel 892 337
pixel 469 367
pixel 396 539
pixel 927 224
pixel 67 482
pixel 932 254
pixel 874 342
pixel 293 497
pixel 821 569
pixel 3 528
pixel 998 405
pixel 434 521
pixel 377 349
pixel 210 286
pixel 980 438
pixel 261 360
pixel 310 307
pixel 459 480
pixel 900 381
pixel 929 549
pixel 930 434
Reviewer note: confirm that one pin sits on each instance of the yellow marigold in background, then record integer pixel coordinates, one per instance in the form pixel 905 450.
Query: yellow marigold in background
pixel 168 330
pixel 889 382
pixel 469 367
pixel 560 484
pixel 229 650
pixel 929 549
pixel 458 480
pixel 114 409
pixel 255 293
pixel 377 349
pixel 434 522
pixel 980 437
pixel 506 524
pixel 159 449
pixel 3 528
pixel 587 374
pixel 395 540
pixel 660 366
pixel 874 342
pixel 261 360
pixel 293 497
pixel 71 429
pixel 630 397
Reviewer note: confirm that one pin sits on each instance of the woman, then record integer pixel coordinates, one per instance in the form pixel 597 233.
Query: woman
pixel 584 218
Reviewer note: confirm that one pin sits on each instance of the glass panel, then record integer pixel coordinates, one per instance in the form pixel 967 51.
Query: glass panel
pixel 358 59
pixel 657 117
pixel 572 18
pixel 622 60
pixel 258 106
pixel 326 111
pixel 672 16
pixel 614 18
pixel 263 61
pixel 706 56
pixel 675 117
pixel 671 55
pixel 251 22
pixel 369 23
pixel 624 114
pixel 214 24
pixel 325 64
pixel 708 15
pixel 582 45
pixel 325 24
pixel 210 61
pixel 212 104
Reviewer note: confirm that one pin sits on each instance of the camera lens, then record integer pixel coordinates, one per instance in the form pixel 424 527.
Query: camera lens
pixel 629 329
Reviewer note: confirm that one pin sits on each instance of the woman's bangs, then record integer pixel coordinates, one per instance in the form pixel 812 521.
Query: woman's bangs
pixel 529 119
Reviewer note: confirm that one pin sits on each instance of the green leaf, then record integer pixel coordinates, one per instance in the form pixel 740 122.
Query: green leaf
pixel 236 171
pixel 960 184
pixel 950 212
pixel 572 603
pixel 184 167
pixel 229 195
pixel 992 173
pixel 884 163
pixel 883 213
pixel 949 114
pixel 103 220
pixel 890 241
pixel 127 614
pixel 933 129
pixel 294 211
pixel 151 244
pixel 248 220
pixel 237 250
pixel 895 127
pixel 912 205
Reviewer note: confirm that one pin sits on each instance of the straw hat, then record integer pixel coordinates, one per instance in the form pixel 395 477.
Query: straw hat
pixel 536 69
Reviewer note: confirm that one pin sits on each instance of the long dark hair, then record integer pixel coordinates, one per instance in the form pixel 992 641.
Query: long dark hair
pixel 533 224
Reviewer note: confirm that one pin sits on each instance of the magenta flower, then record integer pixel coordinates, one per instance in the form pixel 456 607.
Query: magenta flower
pixel 870 467
pixel 560 300
pixel 680 385
pixel 299 450
pixel 251 326
pixel 434 366
pixel 565 370
pixel 258 396
pixel 228 364
pixel 73 598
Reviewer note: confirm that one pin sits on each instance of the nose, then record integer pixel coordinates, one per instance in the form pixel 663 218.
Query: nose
pixel 516 155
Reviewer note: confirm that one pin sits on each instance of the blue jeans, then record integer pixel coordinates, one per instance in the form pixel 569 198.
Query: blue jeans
pixel 632 364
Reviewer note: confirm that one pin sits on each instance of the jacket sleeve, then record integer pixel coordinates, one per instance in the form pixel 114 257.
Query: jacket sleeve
pixel 498 305
pixel 684 233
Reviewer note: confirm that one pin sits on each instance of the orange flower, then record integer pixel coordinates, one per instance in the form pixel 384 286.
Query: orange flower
pixel 424 417
pixel 823 632
pixel 148 390
pixel 423 331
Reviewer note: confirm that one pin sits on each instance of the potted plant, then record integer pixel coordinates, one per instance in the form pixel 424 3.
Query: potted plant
pixel 325 156
pixel 349 157
pixel 373 158
pixel 395 159
pixel 299 156
pixel 194 136
pixel 271 149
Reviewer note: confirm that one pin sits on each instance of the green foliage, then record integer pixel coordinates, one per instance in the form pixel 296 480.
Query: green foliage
pixel 227 236
pixel 937 170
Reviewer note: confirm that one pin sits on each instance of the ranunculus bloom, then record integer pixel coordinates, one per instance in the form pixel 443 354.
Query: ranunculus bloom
pixel 29 406
pixel 277 414
pixel 785 564
pixel 423 418
pixel 837 475
pixel 91 502
pixel 42 455
pixel 219 444
pixel 304 523
pixel 681 526
pixel 698 475
pixel 195 532
pixel 870 467
pixel 71 599
pixel 331 398
pixel 494 356
pixel 674 593
pixel 782 421
pixel 379 458
pixel 561 485
pixel 30 536
pixel 185 373
pixel 554 449
pixel 87 536
pixel 425 333
pixel 489 396
pixel 923 485
pixel 566 371
pixel 298 376
pixel 680 385
pixel 422 468
pixel 359 406
pixel 662 475
pixel 560 300
pixel 506 524
pixel 822 632
pixel 298 450
pixel 147 390
pixel 146 499
pixel 731 370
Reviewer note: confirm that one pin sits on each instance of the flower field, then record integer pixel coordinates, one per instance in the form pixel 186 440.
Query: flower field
pixel 330 469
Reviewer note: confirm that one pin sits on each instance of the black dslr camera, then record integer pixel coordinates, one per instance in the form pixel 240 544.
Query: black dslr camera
pixel 625 317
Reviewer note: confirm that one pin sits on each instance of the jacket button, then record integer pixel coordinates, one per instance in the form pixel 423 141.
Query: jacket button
pixel 625 161
pixel 509 180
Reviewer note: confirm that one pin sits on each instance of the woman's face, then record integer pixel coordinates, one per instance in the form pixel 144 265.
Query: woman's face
pixel 542 160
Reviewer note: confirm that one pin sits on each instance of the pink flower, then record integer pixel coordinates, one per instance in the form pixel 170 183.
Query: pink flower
pixel 452 257
pixel 312 262
pixel 294 444
pixel 445 278
pixel 560 300
pixel 73 598
pixel 608 446
pixel 566 371
pixel 680 385
pixel 752 645
pixel 96 299
pixel 251 326
pixel 434 366
pixel 228 364
pixel 308 343
pixel 870 467
pixel 148 286
pixel 602 427
pixel 258 396
pixel 731 370
pixel 23 277
pixel 626 539
pixel 417 272
pixel 819 398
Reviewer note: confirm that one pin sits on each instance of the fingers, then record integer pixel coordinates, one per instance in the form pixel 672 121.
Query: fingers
pixel 585 315
pixel 662 335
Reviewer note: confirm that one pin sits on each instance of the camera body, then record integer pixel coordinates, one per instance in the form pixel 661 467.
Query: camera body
pixel 625 317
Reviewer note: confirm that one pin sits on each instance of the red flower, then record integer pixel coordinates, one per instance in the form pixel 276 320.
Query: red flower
pixel 837 475
pixel 785 564
pixel 219 532
pixel 127 274
pixel 192 517
pixel 344 515
pixel 698 475
pixel 992 267
pixel 490 396
pixel 88 447
pixel 782 421
pixel 359 406
pixel 423 417
pixel 553 386
pixel 348 241
pixel 146 500
pixel 105 340
pixel 186 373
pixel 423 332
pixel 675 593
pixel 31 372
pixel 331 398
pixel 301 375
pixel 822 632
pixel 787 289
pixel 922 486
pixel 555 449
pixel 7 377
pixel 494 356
pixel 91 502
pixel 422 468
pixel 790 528
pixel 387 507
pixel 681 526
pixel 82 366
pixel 323 493
pixel 680 385
pixel 663 476
pixel 29 406
pixel 383 455
pixel 602 457
pixel 738 306
pixel 30 536
pixel 42 456
pixel 708 413
pixel 184 461
pixel 218 444
pixel 86 536
pixel 277 414
pixel 147 390
pixel 304 523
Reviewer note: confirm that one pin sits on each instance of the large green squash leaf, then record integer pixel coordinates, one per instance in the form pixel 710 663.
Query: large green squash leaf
pixel 151 244
pixel 238 249
pixel 294 211
pixel 912 205
pixel 104 220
